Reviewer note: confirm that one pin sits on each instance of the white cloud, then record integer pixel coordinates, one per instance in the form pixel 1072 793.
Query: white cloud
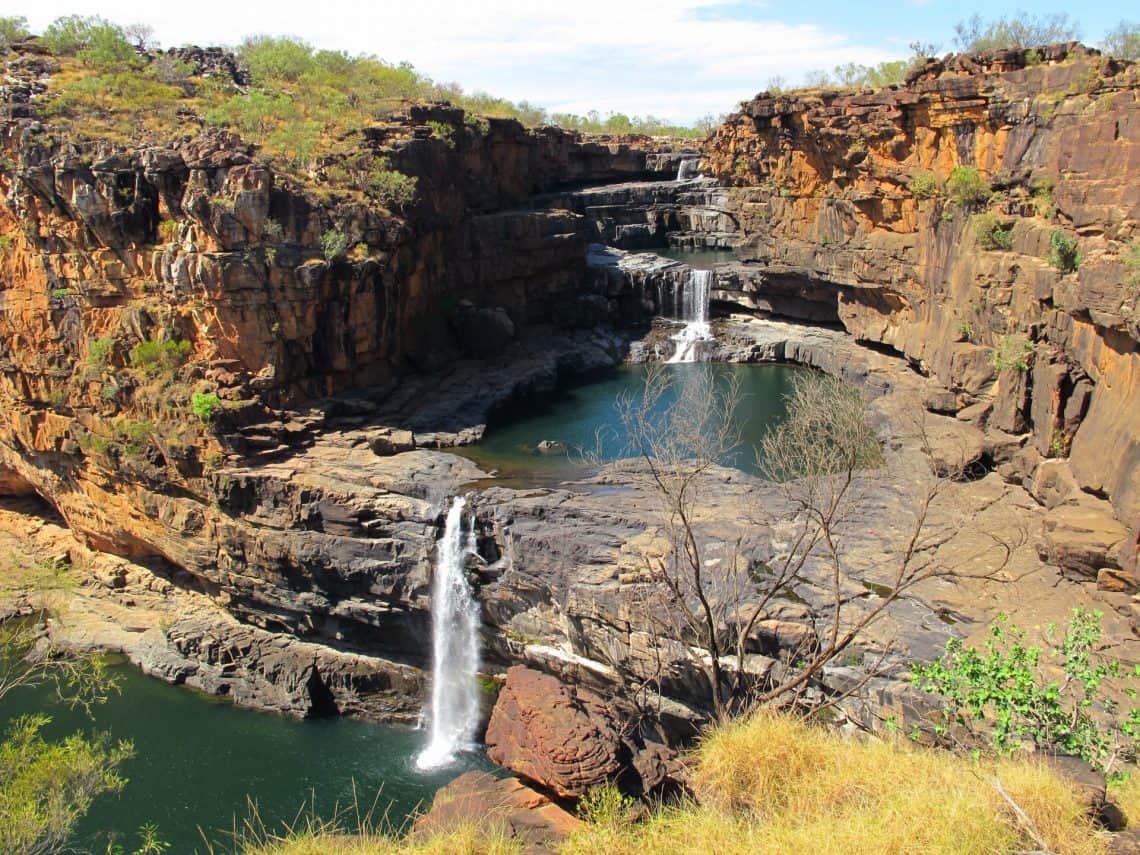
pixel 631 56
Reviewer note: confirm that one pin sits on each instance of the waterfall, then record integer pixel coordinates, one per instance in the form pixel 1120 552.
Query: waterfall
pixel 694 305
pixel 686 168
pixel 454 711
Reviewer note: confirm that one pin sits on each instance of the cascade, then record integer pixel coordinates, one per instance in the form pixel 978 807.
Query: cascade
pixel 693 301
pixel 686 169
pixel 454 711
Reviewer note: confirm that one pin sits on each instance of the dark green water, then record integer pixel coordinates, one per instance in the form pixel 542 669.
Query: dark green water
pixel 701 259
pixel 584 415
pixel 197 758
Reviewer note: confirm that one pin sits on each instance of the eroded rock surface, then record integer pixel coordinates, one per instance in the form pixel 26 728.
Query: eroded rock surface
pixel 563 738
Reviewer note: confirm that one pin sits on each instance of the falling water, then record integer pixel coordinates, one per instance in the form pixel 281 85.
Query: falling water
pixel 686 168
pixel 693 300
pixel 455 647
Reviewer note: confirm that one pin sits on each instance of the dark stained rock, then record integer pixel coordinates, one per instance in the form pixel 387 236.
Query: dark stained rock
pixel 497 804
pixel 564 738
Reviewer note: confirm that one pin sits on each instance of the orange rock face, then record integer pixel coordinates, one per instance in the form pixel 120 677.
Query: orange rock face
pixel 850 196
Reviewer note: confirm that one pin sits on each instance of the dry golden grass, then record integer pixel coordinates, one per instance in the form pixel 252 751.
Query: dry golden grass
pixel 323 839
pixel 1125 794
pixel 773 784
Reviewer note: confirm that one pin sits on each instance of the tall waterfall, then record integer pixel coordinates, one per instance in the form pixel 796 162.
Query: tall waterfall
pixel 454 711
pixel 693 301
pixel 686 168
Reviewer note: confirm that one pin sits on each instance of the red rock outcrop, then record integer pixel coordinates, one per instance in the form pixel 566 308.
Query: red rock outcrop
pixel 503 805
pixel 563 738
pixel 844 197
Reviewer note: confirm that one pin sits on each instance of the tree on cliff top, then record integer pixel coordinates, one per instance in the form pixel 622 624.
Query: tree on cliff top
pixel 825 458
pixel 1019 30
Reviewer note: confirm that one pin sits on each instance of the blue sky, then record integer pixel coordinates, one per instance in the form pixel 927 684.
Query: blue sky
pixel 676 59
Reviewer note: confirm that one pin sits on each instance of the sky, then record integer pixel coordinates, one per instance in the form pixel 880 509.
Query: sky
pixel 675 59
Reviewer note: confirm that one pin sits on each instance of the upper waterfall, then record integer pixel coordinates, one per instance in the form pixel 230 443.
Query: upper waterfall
pixel 692 298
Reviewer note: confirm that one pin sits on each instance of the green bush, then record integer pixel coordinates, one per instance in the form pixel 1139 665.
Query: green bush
pixel 1008 687
pixel 967 187
pixel 392 188
pixel 204 406
pixel 334 244
pixel 271 59
pixel 1132 265
pixel 923 185
pixel 155 354
pixel 1011 352
pixel 443 131
pixel 1063 253
pixel 13 28
pixel 46 787
pixel 991 232
pixel 94 40
pixel 99 351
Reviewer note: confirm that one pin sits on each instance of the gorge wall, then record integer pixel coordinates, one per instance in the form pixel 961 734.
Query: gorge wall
pixel 846 202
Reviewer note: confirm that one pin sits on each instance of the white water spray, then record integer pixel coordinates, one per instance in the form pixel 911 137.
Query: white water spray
pixel 454 711
pixel 686 169
pixel 693 299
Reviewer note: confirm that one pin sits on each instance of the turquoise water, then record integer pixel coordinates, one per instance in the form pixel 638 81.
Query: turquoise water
pixel 198 758
pixel 701 259
pixel 583 417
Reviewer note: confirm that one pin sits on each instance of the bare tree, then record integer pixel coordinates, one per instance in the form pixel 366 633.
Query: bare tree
pixel 826 459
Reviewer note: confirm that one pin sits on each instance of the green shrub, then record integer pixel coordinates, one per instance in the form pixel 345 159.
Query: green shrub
pixel 392 188
pixel 991 232
pixel 606 806
pixel 442 131
pixel 923 185
pixel 160 354
pixel 967 187
pixel 13 28
pixel 1063 253
pixel 1011 352
pixel 271 59
pixel 1132 265
pixel 99 351
pixel 334 244
pixel 97 42
pixel 204 406
pixel 1043 199
pixel 135 435
pixel 1009 688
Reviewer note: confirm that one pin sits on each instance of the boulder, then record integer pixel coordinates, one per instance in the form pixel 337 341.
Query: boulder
pixel 504 805
pixel 564 738
pixel 1083 536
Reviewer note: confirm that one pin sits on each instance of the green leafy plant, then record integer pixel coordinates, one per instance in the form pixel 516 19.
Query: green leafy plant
pixel 923 185
pixel 390 187
pixel 98 352
pixel 966 331
pixel 204 406
pixel 606 806
pixel 1043 199
pixel 967 187
pixel 991 232
pixel 1063 252
pixel 45 787
pixel 13 28
pixel 1132 266
pixel 151 355
pixel 443 131
pixel 1054 697
pixel 1011 352
pixel 334 244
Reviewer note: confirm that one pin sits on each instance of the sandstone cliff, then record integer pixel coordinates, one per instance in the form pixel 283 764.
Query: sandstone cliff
pixel 848 200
